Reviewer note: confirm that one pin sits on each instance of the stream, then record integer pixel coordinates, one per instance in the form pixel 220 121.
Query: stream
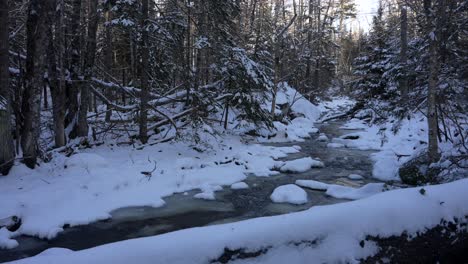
pixel 183 211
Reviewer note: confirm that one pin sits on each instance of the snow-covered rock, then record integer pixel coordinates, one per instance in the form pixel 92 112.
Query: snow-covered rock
pixel 301 165
pixel 311 184
pixel 355 176
pixel 205 196
pixel 343 192
pixel 289 193
pixel 5 239
pixel 335 145
pixel 322 138
pixel 239 185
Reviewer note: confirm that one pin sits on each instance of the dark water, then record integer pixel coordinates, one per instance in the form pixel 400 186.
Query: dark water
pixel 182 211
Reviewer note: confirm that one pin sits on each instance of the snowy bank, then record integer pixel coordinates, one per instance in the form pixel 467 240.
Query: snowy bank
pixel 325 234
pixel 393 149
pixel 89 185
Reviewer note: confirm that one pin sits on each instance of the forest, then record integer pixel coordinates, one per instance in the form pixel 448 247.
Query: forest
pixel 268 108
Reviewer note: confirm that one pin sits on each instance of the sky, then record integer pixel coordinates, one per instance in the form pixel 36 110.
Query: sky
pixel 365 10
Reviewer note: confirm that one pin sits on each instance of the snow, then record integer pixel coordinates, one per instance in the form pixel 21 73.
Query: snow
pixel 410 139
pixel 311 184
pixel 5 239
pixel 322 138
pixel 93 182
pixel 304 115
pixel 336 229
pixel 239 186
pixel 335 145
pixel 301 165
pixel 289 193
pixel 355 177
pixel 343 192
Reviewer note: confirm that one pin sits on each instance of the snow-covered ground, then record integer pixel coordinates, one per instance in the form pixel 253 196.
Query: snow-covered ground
pixel 91 183
pixel 323 234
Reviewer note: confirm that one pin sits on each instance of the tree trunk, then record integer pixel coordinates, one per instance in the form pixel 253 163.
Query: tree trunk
pixel 57 88
pixel 433 148
pixel 144 74
pixel 82 125
pixel 7 148
pixel 35 62
pixel 74 66
pixel 108 58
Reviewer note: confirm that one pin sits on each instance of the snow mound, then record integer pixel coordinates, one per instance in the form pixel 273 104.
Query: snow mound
pixel 239 186
pixel 289 193
pixel 5 239
pixel 301 165
pixel 322 138
pixel 355 177
pixel 311 184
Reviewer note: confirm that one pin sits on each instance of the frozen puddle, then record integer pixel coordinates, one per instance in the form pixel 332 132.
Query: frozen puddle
pixel 231 203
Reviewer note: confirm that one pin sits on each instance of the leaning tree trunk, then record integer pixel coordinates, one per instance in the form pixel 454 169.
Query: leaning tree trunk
pixel 82 125
pixel 144 74
pixel 7 148
pixel 36 33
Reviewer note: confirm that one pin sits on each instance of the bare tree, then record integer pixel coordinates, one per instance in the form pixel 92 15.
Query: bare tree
pixel 93 18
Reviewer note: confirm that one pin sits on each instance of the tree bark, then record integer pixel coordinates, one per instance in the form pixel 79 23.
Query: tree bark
pixel 57 88
pixel 144 74
pixel 7 148
pixel 433 148
pixel 108 56
pixel 35 62
pixel 74 66
pixel 82 125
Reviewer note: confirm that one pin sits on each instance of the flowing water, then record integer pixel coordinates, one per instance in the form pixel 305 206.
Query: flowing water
pixel 183 211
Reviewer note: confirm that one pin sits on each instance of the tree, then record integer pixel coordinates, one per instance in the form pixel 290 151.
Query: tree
pixel 432 119
pixel 7 150
pixel 35 64
pixel 93 18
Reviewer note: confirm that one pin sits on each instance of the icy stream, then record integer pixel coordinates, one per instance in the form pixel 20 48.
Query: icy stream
pixel 183 211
